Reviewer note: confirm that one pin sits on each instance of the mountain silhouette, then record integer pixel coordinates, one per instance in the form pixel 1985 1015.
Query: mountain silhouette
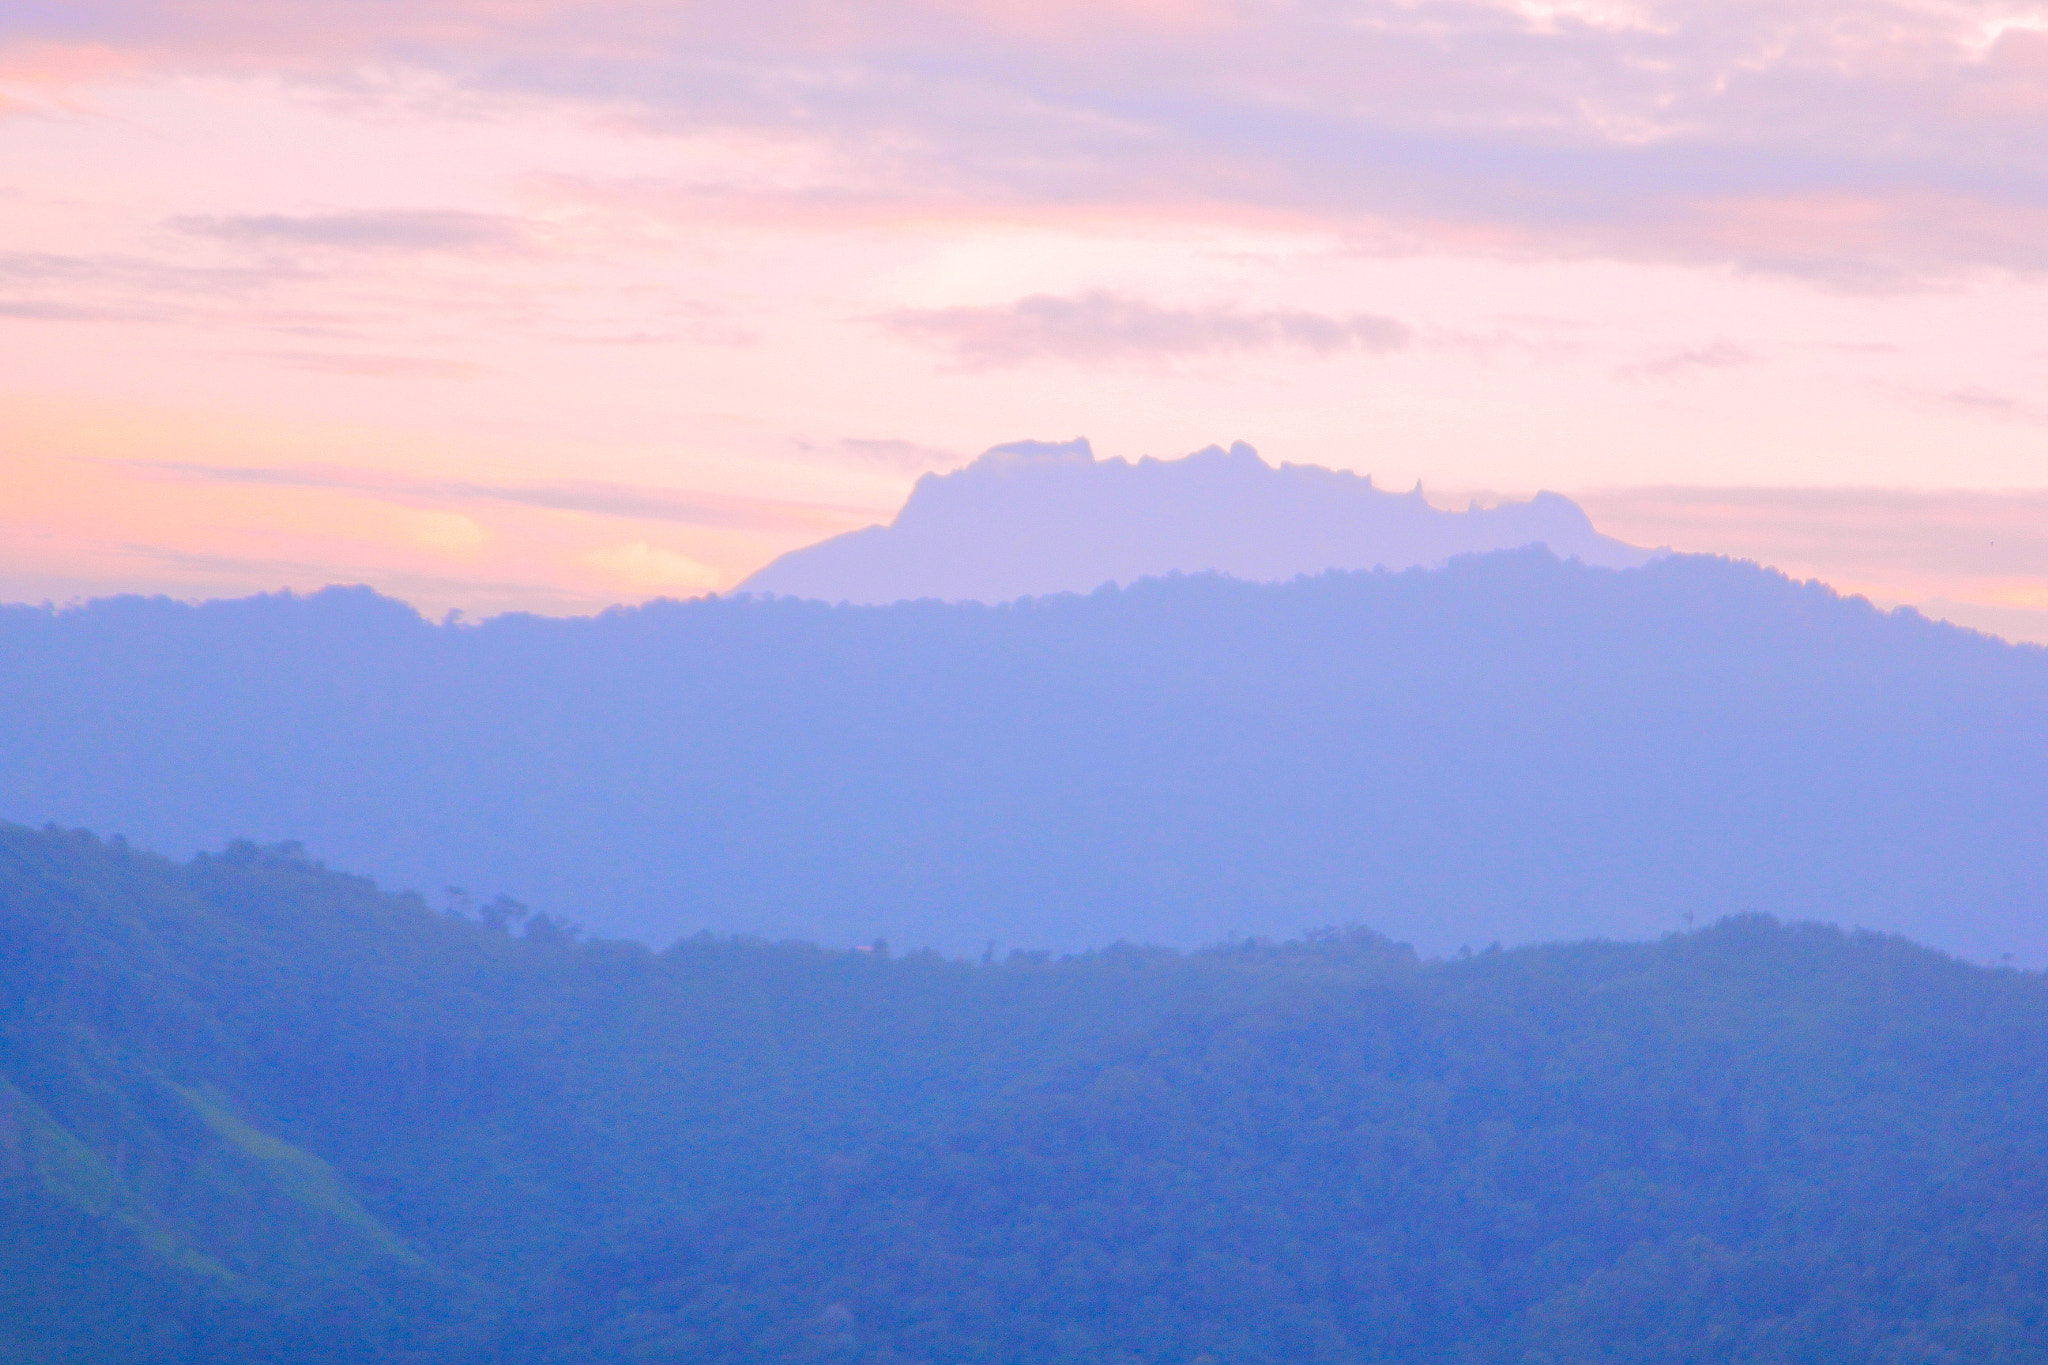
pixel 1512 747
pixel 1037 517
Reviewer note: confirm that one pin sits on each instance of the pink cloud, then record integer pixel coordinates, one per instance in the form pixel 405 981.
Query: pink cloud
pixel 572 495
pixel 1718 355
pixel 381 230
pixel 1099 325
pixel 654 243
pixel 1858 140
pixel 378 366
pixel 1978 559
pixel 1989 549
pixel 41 78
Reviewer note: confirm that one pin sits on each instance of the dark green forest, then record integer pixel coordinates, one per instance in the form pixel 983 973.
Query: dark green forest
pixel 256 1110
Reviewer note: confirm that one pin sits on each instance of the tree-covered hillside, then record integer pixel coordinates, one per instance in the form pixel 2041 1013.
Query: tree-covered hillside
pixel 254 1110
pixel 1513 748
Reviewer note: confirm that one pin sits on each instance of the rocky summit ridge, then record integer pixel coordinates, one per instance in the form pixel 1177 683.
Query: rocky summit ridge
pixel 1037 517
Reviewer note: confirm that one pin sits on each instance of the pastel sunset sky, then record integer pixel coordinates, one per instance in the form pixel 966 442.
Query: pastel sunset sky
pixel 504 304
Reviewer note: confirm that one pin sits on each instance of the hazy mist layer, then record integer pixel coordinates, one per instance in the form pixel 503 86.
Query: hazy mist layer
pixel 1510 748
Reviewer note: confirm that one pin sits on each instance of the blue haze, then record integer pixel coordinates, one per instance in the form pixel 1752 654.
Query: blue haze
pixel 1512 748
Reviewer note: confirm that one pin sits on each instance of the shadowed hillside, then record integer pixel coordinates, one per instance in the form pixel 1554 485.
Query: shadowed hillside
pixel 255 1111
pixel 1511 748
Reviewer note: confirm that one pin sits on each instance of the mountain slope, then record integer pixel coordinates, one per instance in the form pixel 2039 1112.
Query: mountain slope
pixel 1511 748
pixel 1036 517
pixel 1751 1144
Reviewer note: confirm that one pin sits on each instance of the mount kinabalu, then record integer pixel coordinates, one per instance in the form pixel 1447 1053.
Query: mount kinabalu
pixel 1038 517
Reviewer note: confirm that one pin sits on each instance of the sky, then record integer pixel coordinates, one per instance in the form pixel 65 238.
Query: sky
pixel 519 304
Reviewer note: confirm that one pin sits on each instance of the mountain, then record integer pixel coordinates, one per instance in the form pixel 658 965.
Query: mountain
pixel 1510 748
pixel 1038 517
pixel 255 1112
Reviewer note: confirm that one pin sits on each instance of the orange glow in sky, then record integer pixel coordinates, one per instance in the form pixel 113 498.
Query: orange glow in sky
pixel 548 307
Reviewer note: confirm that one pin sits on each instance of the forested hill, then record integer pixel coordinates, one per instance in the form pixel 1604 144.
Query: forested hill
pixel 255 1111
pixel 1511 748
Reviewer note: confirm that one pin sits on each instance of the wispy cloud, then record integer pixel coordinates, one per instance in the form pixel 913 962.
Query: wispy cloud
pixel 236 573
pixel 899 454
pixel 58 270
pixel 49 286
pixel 650 566
pixel 1984 400
pixel 377 366
pixel 1849 139
pixel 1866 534
pixel 653 504
pixel 1100 326
pixel 1979 558
pixel 601 200
pixel 381 230
pixel 596 498
pixel 1718 355
pixel 48 310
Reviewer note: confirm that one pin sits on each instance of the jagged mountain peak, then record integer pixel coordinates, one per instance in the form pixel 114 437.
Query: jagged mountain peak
pixel 1029 518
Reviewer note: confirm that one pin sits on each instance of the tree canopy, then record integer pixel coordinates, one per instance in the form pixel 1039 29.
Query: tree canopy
pixel 255 1110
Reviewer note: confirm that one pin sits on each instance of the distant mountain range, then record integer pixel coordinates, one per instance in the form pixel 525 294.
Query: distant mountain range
pixel 1037 517
pixel 1512 747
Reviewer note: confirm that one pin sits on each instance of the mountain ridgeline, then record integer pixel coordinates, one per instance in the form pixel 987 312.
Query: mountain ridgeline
pixel 1511 748
pixel 255 1111
pixel 1038 517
